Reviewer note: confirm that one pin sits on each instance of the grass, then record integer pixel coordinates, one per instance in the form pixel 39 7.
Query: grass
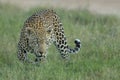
pixel 99 58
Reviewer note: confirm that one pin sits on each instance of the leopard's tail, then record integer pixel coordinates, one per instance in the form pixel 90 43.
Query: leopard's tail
pixel 77 47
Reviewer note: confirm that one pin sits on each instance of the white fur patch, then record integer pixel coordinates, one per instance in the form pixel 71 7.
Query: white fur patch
pixel 77 40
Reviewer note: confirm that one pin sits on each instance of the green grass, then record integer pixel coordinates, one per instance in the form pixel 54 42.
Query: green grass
pixel 99 58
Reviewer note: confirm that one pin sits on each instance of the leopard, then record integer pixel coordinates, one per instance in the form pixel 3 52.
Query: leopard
pixel 39 31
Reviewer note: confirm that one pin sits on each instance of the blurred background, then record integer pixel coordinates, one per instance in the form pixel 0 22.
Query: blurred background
pixel 95 6
pixel 94 22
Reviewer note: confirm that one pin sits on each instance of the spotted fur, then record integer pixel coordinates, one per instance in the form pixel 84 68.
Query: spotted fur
pixel 39 31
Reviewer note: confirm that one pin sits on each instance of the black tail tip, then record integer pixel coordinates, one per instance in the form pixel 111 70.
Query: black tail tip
pixel 77 41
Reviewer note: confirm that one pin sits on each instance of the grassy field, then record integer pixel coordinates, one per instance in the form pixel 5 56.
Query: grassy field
pixel 99 58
